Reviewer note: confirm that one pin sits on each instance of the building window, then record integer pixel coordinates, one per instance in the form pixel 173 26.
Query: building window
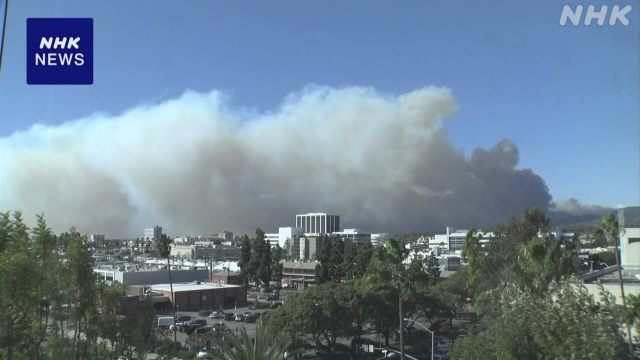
pixel 634 240
pixel 204 297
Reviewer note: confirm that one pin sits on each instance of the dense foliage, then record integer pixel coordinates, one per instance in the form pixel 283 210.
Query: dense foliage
pixel 259 263
pixel 52 305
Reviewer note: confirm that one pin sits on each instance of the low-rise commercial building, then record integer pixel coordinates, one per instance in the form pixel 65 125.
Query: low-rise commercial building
pixel 151 277
pixel 453 239
pixel 203 252
pixel 379 239
pixel 199 296
pixel 226 278
pixel 298 275
pixel 355 235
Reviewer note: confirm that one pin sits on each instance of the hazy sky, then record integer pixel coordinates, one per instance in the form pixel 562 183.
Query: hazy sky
pixel 566 96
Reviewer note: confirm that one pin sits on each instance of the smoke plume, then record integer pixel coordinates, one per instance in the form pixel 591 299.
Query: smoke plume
pixel 196 166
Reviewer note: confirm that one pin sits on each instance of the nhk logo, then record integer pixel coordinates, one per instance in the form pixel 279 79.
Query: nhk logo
pixel 53 59
pixel 59 51
pixel 617 14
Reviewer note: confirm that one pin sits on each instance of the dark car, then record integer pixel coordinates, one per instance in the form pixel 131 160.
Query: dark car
pixel 239 317
pixel 275 305
pixel 250 319
pixel 229 316
pixel 190 329
pixel 201 322
pixel 257 315
pixel 247 313
pixel 203 330
pixel 184 318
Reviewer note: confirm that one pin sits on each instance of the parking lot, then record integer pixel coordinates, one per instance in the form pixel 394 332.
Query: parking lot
pixel 233 326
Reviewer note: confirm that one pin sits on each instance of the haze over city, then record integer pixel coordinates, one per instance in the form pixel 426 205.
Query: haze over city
pixel 438 129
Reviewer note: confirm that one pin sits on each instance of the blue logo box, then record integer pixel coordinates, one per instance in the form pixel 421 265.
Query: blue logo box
pixel 60 51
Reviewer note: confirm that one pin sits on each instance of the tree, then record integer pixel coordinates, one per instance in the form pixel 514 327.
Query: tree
pixel 566 323
pixel 541 262
pixel 363 259
pixel 287 249
pixel 164 249
pixel 276 266
pixel 389 267
pixel 349 259
pixel 491 264
pixel 265 346
pixel 246 269
pixel 608 227
pixel 323 273
pixel 336 259
pixel 261 259
pixel 353 296
pixel 318 314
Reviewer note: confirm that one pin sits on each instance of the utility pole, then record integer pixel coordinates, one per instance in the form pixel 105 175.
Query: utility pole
pixel 621 232
pixel 401 323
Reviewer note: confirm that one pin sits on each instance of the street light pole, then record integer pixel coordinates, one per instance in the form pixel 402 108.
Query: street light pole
pixel 433 335
pixel 401 323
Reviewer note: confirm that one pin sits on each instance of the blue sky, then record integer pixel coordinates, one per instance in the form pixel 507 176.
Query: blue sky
pixel 567 96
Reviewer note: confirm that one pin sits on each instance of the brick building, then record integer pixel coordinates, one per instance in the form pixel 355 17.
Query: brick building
pixel 194 297
pixel 226 278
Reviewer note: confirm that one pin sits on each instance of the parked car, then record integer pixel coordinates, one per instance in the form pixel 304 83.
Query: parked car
pixel 165 321
pixel 203 330
pixel 201 322
pixel 190 329
pixel 219 326
pixel 217 315
pixel 250 319
pixel 184 318
pixel 247 313
pixel 273 296
pixel 239 317
pixel 229 316
pixel 275 305
pixel 204 313
pixel 257 315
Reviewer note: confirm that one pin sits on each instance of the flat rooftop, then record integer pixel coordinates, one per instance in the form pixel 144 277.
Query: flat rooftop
pixel 182 287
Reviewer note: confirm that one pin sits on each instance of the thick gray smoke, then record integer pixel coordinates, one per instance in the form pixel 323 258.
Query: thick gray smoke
pixel 573 206
pixel 195 166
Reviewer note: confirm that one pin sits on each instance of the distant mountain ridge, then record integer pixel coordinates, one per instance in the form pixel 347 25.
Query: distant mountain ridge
pixel 563 219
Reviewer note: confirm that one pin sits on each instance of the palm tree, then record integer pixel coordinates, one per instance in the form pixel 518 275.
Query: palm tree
pixel 608 227
pixel 265 346
pixel 164 249
pixel 389 264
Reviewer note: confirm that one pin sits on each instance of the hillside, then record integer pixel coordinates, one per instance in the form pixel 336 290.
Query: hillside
pixel 567 221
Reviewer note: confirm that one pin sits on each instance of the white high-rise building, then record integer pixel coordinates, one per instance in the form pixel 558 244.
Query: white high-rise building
pixel 283 234
pixel 153 233
pixel 96 238
pixel 318 223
